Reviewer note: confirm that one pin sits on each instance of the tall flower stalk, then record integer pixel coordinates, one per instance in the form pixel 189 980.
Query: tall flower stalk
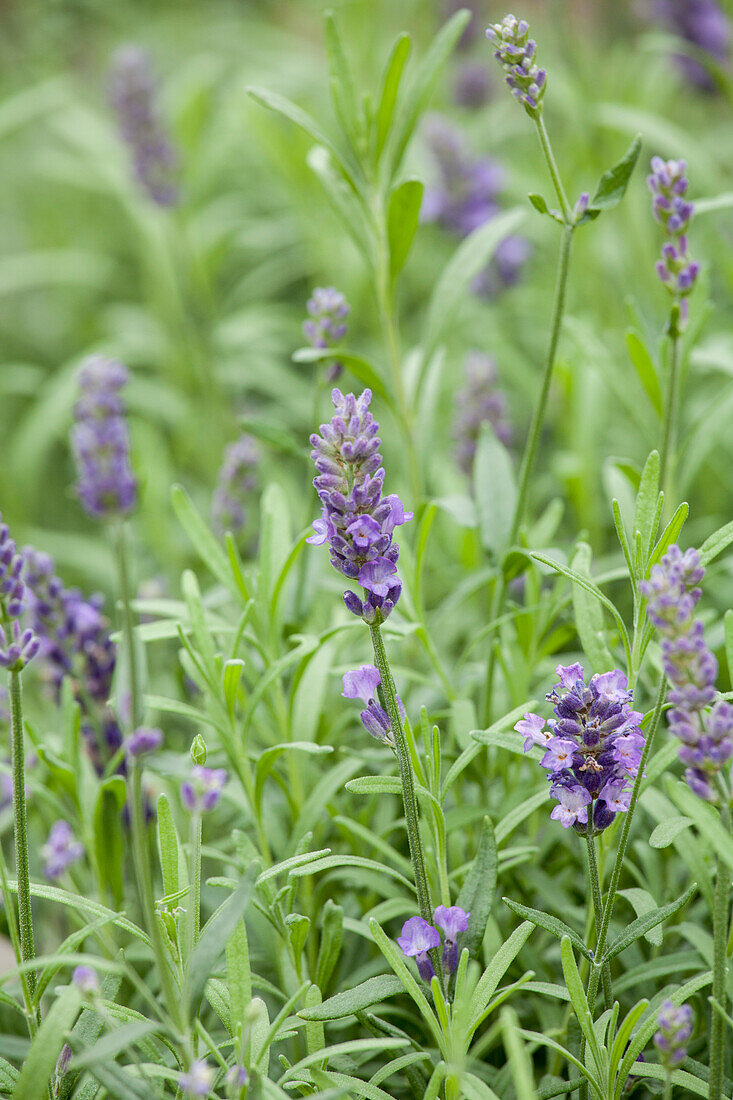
pixel 678 272
pixel 358 524
pixel 515 51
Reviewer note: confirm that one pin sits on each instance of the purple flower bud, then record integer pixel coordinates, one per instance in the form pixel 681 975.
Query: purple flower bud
pixel 478 402
pixel 236 485
pixel 237 1077
pixel 675 1028
pixel 201 793
pixel 143 740
pixel 85 979
pixel 515 51
pixel 452 920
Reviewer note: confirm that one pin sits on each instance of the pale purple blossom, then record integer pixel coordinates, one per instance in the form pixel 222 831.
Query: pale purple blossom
pixel 417 939
pixel 60 850
pixel 202 791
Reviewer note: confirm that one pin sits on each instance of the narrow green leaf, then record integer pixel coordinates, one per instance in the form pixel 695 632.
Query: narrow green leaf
pixel 613 183
pixel 642 903
pixel 477 893
pixel 518 1055
pixel 39 1064
pixel 330 945
pixel 644 366
pixel 357 365
pixel 362 996
pixel 671 532
pixel 717 543
pixel 201 537
pixel 239 975
pixel 549 923
pixel 403 215
pixel 282 106
pixel 642 925
pixel 666 831
pixel 213 940
pixel 390 89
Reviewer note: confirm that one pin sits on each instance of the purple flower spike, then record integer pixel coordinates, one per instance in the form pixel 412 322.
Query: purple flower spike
pixel 702 23
pixel 515 51
pixel 143 741
pixel 133 90
pixel 326 325
pixel 60 850
pixel 198 1080
pixel 105 485
pixel 236 485
pixel 356 521
pixel 705 730
pixel 675 1028
pixel 592 750
pixel 18 645
pixel 668 184
pixel 478 402
pixel 237 1077
pixel 201 793
pixel 417 939
pixel 453 920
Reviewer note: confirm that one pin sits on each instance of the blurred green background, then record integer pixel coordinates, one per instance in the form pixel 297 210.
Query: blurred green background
pixel 204 301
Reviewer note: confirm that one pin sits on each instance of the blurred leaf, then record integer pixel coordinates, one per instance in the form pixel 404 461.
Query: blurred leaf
pixel 403 216
pixel 39 1064
pixel 495 491
pixel 471 256
pixel 666 831
pixel 357 365
pixel 644 366
pixel 643 903
pixel 200 536
pixel 109 842
pixel 343 92
pixel 589 615
pixel 274 102
pixel 344 201
pixel 390 89
pixel 613 183
pixel 716 543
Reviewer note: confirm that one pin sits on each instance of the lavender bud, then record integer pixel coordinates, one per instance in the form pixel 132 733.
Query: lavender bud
pixel 85 979
pixel 675 1028
pixel 201 793
pixel 133 90
pixel 143 740
pixel 198 1080
pixel 478 402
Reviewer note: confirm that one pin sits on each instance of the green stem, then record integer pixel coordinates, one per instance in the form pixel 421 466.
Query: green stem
pixel 595 972
pixel 595 884
pixel 25 914
pixel 720 936
pixel 532 443
pixel 193 910
pixel 668 1087
pixel 128 625
pixel 31 1012
pixel 669 416
pixel 554 173
pixel 412 820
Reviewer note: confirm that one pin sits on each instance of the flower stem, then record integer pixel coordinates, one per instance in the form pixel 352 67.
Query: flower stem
pixel 595 884
pixel 595 972
pixel 532 443
pixel 128 624
pixel 552 165
pixel 25 915
pixel 668 1087
pixel 412 820
pixel 720 937
pixel 669 415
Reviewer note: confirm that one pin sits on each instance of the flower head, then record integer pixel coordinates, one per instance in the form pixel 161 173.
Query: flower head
pixel 18 646
pixel 356 521
pixel 668 184
pixel 363 683
pixel 592 749
pixel 203 790
pixel 675 1028
pixel 143 741
pixel 106 485
pixel 236 485
pixel 417 939
pixel 327 312
pixel 85 979
pixel 60 850
pixel 515 51
pixel 133 90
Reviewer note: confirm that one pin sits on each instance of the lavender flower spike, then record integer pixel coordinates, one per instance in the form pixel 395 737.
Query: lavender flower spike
pixel 356 521
pixel 100 441
pixel 678 272
pixel 515 52
pixel 85 979
pixel 417 939
pixel 675 1028
pixel 133 90
pixel 143 741
pixel 478 402
pixel 593 748
pixel 327 312
pixel 702 23
pixel 236 485
pixel 704 727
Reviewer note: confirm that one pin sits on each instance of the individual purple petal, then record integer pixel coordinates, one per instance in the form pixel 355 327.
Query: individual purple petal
pixel 361 683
